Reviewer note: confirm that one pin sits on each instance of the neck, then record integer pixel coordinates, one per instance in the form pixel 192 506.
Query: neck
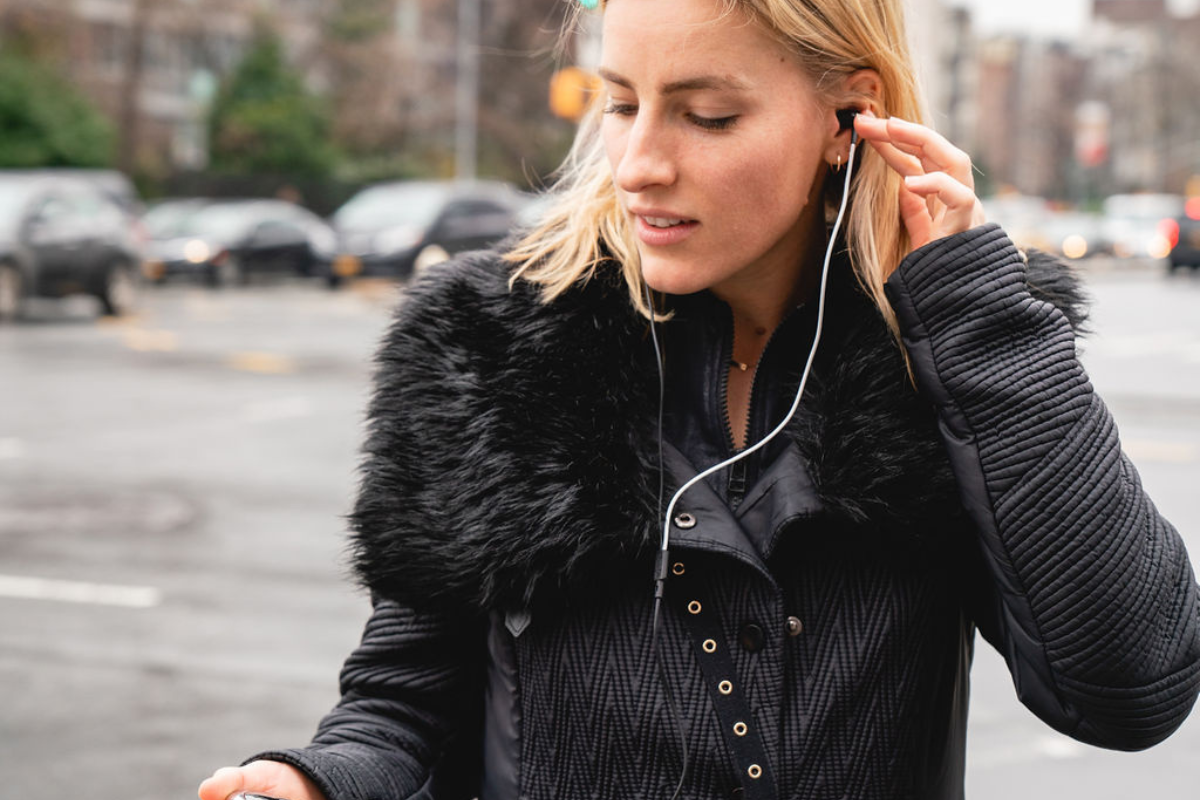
pixel 760 300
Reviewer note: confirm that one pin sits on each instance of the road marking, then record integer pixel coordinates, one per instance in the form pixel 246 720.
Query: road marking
pixel 99 594
pixel 264 363
pixel 1182 344
pixel 11 449
pixel 1163 452
pixel 283 408
pixel 150 341
pixel 1050 747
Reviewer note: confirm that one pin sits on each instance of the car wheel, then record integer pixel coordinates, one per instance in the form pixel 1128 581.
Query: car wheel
pixel 119 293
pixel 10 292
pixel 430 254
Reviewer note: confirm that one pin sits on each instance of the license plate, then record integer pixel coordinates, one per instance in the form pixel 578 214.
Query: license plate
pixel 347 266
pixel 1195 238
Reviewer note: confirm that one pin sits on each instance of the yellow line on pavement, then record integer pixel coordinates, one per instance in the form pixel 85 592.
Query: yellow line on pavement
pixel 150 341
pixel 263 363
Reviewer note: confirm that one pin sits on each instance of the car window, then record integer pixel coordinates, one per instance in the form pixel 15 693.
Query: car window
pixel 388 206
pixel 166 219
pixel 222 220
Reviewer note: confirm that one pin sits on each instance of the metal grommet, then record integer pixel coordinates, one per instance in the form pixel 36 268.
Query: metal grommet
pixel 677 568
pixel 685 521
pixel 694 607
pixel 709 646
pixel 794 626
pixel 725 687
pixel 739 728
pixel 755 771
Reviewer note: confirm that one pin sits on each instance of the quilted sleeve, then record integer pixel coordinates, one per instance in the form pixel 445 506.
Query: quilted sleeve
pixel 1096 607
pixel 407 724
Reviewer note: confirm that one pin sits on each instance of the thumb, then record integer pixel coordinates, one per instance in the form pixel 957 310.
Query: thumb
pixel 271 778
pixel 224 782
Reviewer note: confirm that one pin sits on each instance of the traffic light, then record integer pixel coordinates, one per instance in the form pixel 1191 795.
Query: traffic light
pixel 571 90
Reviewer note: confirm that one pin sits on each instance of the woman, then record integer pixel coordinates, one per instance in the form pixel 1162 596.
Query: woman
pixel 821 596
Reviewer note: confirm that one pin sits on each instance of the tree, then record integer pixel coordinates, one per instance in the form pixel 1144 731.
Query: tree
pixel 45 122
pixel 264 120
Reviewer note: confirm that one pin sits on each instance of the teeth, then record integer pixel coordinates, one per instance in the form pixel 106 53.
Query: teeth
pixel 662 222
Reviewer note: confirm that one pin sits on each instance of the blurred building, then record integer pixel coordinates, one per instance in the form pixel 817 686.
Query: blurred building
pixel 153 65
pixel 1115 111
pixel 1028 91
pixel 1146 71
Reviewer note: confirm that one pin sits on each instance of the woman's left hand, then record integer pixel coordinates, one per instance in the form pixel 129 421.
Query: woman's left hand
pixel 937 196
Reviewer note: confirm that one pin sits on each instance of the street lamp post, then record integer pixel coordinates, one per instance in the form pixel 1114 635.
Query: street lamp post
pixel 467 90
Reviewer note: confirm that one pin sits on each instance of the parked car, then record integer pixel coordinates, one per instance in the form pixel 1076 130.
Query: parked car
pixel 226 241
pixel 1183 234
pixel 397 229
pixel 1133 224
pixel 60 235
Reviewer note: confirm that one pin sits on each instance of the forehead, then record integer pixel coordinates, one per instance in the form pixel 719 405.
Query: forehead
pixel 669 39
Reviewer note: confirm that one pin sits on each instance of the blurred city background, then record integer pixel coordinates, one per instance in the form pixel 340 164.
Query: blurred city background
pixel 208 209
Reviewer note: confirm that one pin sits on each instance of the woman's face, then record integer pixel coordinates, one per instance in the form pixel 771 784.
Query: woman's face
pixel 716 140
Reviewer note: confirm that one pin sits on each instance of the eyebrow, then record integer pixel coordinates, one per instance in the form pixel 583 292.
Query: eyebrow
pixel 696 84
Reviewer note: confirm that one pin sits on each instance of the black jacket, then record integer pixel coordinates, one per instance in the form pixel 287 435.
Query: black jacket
pixel 818 638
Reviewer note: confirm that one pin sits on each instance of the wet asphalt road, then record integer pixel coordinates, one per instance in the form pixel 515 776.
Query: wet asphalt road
pixel 173 592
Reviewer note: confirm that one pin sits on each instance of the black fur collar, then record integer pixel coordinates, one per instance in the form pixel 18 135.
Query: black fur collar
pixel 511 453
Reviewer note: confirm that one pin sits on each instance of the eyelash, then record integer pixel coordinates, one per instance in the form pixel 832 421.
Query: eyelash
pixel 706 123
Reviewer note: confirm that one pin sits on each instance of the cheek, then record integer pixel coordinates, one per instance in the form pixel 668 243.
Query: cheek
pixel 763 191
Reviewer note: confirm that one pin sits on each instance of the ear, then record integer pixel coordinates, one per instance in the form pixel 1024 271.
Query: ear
pixel 861 90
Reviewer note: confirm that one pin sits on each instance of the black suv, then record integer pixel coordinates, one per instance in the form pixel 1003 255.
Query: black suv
pixel 397 229
pixel 61 235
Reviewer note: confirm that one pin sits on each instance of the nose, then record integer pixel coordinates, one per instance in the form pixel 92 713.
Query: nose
pixel 647 159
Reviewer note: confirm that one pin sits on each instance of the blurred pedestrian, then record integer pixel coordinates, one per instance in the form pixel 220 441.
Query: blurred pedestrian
pixel 551 623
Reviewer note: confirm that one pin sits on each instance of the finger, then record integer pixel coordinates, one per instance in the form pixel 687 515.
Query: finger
pixel 934 150
pixel 224 782
pixel 962 208
pixel 901 162
pixel 916 217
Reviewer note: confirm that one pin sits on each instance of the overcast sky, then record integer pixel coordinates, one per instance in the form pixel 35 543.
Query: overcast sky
pixel 1047 17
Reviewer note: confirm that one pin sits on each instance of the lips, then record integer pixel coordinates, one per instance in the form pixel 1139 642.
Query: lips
pixel 661 227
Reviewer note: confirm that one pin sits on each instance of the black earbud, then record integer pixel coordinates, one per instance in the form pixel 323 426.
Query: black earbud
pixel 846 118
pixel 846 121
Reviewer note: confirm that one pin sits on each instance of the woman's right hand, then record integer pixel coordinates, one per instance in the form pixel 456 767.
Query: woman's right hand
pixel 271 778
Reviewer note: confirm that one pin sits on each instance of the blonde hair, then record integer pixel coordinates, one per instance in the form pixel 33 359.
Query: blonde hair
pixel 831 39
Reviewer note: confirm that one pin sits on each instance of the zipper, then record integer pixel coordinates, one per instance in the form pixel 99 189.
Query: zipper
pixel 735 488
pixel 739 473
pixel 754 388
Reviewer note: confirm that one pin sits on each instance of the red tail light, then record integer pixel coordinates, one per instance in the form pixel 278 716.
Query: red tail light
pixel 1169 230
pixel 1193 208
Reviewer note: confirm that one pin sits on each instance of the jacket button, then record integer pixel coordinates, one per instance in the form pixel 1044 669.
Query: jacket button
pixel 752 637
pixel 794 626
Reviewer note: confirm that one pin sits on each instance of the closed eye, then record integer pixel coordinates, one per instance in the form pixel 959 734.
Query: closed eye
pixel 620 109
pixel 713 123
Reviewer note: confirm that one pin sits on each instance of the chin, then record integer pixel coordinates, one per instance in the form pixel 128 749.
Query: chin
pixel 673 276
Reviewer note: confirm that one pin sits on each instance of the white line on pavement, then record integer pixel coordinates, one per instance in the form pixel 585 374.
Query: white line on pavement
pixel 1050 747
pixel 1164 452
pixel 100 594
